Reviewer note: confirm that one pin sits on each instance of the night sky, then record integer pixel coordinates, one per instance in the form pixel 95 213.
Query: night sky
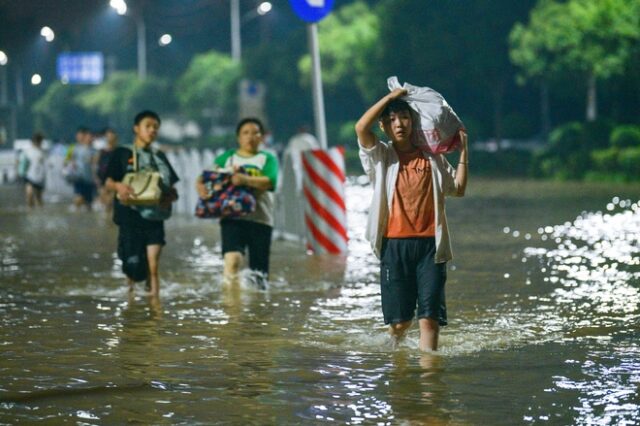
pixel 91 25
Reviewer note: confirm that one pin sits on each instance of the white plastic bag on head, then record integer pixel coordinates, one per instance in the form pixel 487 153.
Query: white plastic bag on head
pixel 437 128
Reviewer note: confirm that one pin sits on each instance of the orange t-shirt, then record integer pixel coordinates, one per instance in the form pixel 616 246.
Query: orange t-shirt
pixel 412 209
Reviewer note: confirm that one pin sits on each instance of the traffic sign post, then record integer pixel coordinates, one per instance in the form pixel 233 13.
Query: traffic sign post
pixel 316 78
pixel 312 11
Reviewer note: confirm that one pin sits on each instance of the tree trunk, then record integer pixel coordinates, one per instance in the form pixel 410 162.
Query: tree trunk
pixel 545 118
pixel 592 101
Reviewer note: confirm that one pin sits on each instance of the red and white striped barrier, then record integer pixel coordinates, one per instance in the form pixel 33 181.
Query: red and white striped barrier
pixel 325 213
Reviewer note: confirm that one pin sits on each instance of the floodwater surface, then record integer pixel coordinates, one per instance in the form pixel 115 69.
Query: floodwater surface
pixel 543 300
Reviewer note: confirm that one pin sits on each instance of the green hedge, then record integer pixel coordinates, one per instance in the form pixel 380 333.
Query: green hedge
pixel 605 160
pixel 625 137
pixel 629 159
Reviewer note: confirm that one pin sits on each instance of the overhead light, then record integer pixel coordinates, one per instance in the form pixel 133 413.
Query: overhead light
pixel 165 39
pixel 3 58
pixel 264 8
pixel 36 79
pixel 119 5
pixel 48 34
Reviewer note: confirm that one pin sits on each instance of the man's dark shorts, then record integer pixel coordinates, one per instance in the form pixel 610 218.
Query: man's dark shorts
pixel 84 189
pixel 38 186
pixel 409 277
pixel 133 239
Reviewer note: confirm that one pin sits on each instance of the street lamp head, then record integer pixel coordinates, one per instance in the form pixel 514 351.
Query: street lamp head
pixel 165 39
pixel 36 79
pixel 4 59
pixel 264 8
pixel 119 5
pixel 48 34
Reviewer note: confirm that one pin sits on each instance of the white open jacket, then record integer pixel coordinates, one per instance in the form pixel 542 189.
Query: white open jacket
pixel 380 163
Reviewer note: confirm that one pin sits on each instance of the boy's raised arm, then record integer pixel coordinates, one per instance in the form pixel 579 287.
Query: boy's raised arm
pixel 463 164
pixel 364 126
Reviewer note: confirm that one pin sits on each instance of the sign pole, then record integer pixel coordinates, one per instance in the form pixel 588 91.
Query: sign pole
pixel 316 77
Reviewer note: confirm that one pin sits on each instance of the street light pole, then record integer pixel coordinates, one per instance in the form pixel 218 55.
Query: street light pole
pixel 19 88
pixel 4 100
pixel 235 31
pixel 142 46
pixel 138 15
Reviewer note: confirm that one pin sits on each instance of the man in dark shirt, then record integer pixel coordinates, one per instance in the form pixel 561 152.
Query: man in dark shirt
pixel 141 229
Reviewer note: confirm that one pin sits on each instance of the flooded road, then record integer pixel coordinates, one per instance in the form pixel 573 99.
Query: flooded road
pixel 543 299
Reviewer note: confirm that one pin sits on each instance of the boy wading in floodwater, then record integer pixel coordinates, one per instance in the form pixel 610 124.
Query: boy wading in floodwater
pixel 407 225
pixel 141 228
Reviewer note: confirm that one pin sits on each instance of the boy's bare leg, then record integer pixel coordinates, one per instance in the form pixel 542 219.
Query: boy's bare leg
pixel 28 189
pixel 131 285
pixel 429 331
pixel 38 197
pixel 78 201
pixel 232 263
pixel 398 331
pixel 156 307
pixel 153 257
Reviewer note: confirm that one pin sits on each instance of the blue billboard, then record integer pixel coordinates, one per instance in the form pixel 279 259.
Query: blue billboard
pixel 81 67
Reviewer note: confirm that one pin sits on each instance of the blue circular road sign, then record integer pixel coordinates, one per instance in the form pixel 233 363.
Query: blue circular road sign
pixel 311 10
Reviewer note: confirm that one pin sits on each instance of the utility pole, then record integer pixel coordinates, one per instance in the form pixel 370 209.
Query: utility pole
pixel 142 45
pixel 236 52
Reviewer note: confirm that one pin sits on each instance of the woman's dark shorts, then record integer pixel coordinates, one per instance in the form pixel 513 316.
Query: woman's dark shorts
pixel 239 235
pixel 409 277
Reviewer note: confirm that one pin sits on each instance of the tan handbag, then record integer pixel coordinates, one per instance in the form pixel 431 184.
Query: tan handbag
pixel 146 185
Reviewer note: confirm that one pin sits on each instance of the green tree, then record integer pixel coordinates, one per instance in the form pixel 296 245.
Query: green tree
pixel 288 104
pixel 123 94
pixel 209 88
pixel 456 47
pixel 531 50
pixel 349 44
pixel 56 112
pixel 595 38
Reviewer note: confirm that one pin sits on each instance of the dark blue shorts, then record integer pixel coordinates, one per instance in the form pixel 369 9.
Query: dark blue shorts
pixel 38 186
pixel 85 189
pixel 409 278
pixel 133 239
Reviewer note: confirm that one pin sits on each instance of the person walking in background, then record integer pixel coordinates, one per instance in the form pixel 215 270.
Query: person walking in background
pixel 32 168
pixel 253 231
pixel 80 165
pixel 141 233
pixel 407 224
pixel 106 195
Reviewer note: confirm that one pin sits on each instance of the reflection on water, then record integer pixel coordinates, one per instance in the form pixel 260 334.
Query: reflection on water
pixel 543 322
pixel 593 268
